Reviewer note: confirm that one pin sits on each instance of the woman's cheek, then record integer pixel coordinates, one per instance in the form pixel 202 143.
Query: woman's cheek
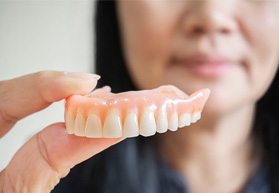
pixel 147 30
pixel 260 32
pixel 146 54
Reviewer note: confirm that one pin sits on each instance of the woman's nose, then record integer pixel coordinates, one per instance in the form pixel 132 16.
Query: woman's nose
pixel 209 17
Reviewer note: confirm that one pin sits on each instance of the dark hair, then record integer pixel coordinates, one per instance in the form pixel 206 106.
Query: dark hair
pixel 110 62
pixel 111 66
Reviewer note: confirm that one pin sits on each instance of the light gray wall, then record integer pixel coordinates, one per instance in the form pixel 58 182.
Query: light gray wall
pixel 42 35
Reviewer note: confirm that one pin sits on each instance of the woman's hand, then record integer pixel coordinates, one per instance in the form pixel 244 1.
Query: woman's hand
pixel 49 155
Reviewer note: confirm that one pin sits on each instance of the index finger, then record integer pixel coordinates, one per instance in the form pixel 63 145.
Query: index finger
pixel 30 93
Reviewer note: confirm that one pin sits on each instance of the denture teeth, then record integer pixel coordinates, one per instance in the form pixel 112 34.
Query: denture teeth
pixel 103 114
pixel 112 126
pixel 69 120
pixel 79 125
pixel 195 117
pixel 184 120
pixel 162 121
pixel 93 126
pixel 131 126
pixel 173 121
pixel 147 123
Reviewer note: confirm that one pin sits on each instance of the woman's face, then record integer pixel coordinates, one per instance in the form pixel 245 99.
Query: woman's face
pixel 230 46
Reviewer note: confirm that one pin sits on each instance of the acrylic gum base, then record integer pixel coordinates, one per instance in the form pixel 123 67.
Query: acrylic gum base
pixel 102 114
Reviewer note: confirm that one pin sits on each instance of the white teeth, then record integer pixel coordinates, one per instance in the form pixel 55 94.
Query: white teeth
pixel 79 125
pixel 162 121
pixel 93 126
pixel 147 126
pixel 112 126
pixel 173 121
pixel 195 117
pixel 131 127
pixel 184 120
pixel 147 123
pixel 69 120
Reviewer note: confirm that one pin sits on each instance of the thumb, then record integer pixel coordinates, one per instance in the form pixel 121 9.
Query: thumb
pixel 47 157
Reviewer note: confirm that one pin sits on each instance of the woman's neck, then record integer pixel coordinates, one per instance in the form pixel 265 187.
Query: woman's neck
pixel 215 154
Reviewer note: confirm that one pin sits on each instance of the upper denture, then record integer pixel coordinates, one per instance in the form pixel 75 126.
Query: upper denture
pixel 105 114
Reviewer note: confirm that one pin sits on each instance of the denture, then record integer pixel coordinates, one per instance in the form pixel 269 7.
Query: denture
pixel 103 114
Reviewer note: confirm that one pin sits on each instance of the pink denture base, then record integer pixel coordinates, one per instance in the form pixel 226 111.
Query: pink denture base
pixel 170 98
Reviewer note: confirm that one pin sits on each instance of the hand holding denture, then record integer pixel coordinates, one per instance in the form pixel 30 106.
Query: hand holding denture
pixel 104 117
pixel 50 154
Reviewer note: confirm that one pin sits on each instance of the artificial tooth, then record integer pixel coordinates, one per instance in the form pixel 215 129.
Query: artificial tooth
pixel 112 126
pixel 131 127
pixel 173 121
pixel 162 121
pixel 147 123
pixel 69 120
pixel 93 126
pixel 79 125
pixel 195 117
pixel 184 120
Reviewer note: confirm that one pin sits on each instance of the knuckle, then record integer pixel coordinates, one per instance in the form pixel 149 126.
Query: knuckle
pixel 42 76
pixel 42 147
pixel 45 154
pixel 47 75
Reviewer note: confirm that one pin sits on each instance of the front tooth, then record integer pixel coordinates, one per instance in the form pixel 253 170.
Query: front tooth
pixel 93 126
pixel 162 121
pixel 173 121
pixel 69 120
pixel 147 123
pixel 112 125
pixel 195 117
pixel 79 124
pixel 131 127
pixel 184 120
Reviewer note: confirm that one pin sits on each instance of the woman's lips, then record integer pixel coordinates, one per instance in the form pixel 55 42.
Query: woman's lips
pixel 206 66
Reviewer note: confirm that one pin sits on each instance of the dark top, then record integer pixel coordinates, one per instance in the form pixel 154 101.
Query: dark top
pixel 169 181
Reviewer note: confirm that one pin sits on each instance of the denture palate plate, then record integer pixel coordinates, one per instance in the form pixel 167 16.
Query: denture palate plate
pixel 102 114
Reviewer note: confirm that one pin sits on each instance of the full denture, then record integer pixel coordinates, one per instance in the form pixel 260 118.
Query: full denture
pixel 102 114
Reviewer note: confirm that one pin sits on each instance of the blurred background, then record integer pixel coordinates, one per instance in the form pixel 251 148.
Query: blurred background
pixel 42 35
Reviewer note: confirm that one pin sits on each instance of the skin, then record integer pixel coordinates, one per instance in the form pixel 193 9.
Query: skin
pixel 49 155
pixel 216 154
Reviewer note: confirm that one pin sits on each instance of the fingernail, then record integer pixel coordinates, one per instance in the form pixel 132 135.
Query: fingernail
pixel 82 75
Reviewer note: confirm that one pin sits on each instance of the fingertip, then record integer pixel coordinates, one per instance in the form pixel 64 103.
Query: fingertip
pixel 82 75
pixel 79 86
pixel 56 85
pixel 81 83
